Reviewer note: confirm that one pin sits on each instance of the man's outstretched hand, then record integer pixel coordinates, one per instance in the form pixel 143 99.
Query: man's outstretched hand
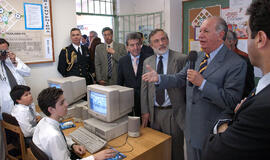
pixel 150 76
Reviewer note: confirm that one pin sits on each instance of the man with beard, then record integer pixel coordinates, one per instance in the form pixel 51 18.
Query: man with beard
pixel 165 108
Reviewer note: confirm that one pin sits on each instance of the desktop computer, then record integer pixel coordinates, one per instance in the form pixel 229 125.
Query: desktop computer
pixel 108 107
pixel 74 87
pixel 107 130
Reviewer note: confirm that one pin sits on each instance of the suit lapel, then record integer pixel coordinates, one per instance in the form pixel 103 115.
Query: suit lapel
pixel 130 66
pixel 216 63
pixel 140 65
pixel 171 63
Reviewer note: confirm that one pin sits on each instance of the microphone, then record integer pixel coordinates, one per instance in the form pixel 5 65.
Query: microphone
pixel 192 57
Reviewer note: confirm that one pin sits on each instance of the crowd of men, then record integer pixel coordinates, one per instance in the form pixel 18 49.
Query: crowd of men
pixel 208 99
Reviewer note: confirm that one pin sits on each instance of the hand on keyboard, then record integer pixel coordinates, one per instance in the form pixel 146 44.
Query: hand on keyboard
pixel 91 142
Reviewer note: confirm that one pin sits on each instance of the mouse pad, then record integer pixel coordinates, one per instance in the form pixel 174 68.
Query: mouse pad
pixel 118 156
pixel 65 125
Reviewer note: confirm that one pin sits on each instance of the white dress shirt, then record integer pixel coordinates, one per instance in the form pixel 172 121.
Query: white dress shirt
pixel 19 71
pixel 263 82
pixel 26 118
pixel 49 139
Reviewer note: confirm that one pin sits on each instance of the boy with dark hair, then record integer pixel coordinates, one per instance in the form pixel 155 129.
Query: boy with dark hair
pixel 48 135
pixel 24 109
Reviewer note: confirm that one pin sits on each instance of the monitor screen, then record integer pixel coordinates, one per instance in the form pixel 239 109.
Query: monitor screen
pixel 98 102
pixel 109 103
pixel 74 87
pixel 54 85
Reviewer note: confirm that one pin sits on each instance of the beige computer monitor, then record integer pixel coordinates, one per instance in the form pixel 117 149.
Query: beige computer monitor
pixel 109 103
pixel 74 87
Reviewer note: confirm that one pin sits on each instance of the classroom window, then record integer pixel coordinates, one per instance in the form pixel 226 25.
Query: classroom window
pixel 95 15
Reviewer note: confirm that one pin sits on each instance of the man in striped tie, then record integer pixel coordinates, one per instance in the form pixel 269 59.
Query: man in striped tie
pixel 107 58
pixel 218 81
pixel 245 133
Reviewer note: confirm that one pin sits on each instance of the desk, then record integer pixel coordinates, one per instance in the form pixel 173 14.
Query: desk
pixel 151 144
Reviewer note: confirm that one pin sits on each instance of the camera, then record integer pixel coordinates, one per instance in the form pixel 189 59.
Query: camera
pixel 3 52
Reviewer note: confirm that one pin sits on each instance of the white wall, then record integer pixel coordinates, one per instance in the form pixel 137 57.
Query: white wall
pixel 172 15
pixel 64 18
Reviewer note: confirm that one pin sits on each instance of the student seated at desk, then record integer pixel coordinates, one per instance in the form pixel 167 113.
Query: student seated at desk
pixel 24 110
pixel 48 135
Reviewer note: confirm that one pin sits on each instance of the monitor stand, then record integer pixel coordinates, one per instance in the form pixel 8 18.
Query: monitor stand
pixel 107 130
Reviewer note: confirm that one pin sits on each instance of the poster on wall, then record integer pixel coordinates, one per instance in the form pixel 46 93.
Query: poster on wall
pixel 237 21
pixel 240 3
pixel 146 30
pixel 27 26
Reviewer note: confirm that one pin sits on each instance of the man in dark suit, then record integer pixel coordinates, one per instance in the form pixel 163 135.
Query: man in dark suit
pixel 246 135
pixel 147 50
pixel 217 81
pixel 130 69
pixel 74 60
pixel 165 109
pixel 231 43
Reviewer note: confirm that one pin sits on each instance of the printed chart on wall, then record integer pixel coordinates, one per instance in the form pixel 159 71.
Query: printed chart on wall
pixel 27 26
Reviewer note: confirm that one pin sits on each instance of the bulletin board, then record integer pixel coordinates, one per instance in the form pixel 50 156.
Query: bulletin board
pixel 197 10
pixel 27 26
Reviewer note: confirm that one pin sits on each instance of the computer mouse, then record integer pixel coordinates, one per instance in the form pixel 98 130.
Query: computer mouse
pixel 69 123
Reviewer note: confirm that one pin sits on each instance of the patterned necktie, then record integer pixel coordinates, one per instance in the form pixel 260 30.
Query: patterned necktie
pixel 203 64
pixel 63 134
pixel 11 78
pixel 160 94
pixel 33 116
pixel 79 51
pixel 135 65
pixel 109 58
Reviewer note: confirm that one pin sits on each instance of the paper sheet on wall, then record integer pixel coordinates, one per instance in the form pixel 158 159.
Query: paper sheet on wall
pixel 240 3
pixel 194 45
pixel 242 45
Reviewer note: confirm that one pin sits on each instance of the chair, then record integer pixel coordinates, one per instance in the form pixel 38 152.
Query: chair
pixel 38 153
pixel 14 150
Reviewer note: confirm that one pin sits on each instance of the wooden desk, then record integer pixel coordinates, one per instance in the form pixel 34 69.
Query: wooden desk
pixel 151 144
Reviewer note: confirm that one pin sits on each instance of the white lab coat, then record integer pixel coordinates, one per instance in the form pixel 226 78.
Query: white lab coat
pixel 18 72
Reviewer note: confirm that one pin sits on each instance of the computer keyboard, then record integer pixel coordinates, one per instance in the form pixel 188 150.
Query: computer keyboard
pixel 91 142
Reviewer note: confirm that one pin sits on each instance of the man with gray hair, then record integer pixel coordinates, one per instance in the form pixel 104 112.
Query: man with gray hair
pixel 92 35
pixel 130 69
pixel 164 109
pixel 217 84
pixel 231 42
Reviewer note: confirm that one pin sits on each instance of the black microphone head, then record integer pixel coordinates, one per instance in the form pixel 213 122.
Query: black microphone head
pixel 192 56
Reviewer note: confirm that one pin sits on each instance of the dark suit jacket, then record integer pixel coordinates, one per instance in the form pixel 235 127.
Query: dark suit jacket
pixel 247 137
pixel 176 61
pixel 249 82
pixel 127 77
pixel 147 51
pixel 223 89
pixel 82 66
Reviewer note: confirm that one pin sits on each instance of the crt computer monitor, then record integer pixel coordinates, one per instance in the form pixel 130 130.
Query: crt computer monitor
pixel 74 87
pixel 109 103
